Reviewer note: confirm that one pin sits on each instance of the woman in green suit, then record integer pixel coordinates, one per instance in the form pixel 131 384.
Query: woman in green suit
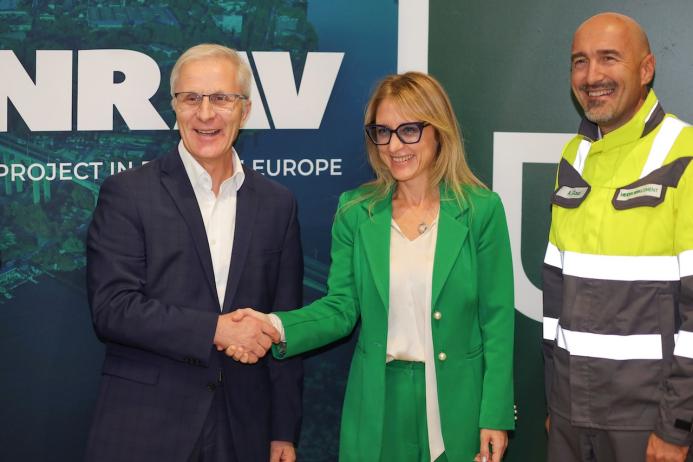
pixel 421 256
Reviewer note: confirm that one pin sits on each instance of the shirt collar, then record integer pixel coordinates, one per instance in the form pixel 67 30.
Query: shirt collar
pixel 642 123
pixel 198 176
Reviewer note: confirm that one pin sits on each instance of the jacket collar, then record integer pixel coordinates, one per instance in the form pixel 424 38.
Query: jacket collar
pixel 452 234
pixel 648 117
pixel 453 230
pixel 375 231
pixel 175 180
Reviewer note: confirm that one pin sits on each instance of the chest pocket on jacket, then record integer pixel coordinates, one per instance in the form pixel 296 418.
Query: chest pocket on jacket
pixel 572 188
pixel 650 190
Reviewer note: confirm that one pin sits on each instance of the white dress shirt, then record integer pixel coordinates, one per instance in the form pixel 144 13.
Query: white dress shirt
pixel 409 335
pixel 218 213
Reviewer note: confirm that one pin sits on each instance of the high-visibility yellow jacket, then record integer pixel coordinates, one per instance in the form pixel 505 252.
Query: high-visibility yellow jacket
pixel 618 278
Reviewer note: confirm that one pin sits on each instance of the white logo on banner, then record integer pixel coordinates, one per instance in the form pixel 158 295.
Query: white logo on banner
pixel 510 152
pixel 46 104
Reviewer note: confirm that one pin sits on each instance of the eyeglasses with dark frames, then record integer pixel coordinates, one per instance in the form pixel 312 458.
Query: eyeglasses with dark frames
pixel 192 100
pixel 408 133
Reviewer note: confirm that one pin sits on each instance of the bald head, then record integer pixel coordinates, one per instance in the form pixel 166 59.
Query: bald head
pixel 616 23
pixel 612 66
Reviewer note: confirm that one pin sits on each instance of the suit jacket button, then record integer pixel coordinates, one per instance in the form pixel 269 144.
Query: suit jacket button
pixel 442 356
pixel 211 386
pixel 437 315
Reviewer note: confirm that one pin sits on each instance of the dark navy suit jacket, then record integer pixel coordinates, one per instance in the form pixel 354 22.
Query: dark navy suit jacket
pixel 155 306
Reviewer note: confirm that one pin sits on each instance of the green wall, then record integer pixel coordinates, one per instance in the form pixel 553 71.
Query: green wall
pixel 506 67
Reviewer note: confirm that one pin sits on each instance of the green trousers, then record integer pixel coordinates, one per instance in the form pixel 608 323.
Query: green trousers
pixel 405 432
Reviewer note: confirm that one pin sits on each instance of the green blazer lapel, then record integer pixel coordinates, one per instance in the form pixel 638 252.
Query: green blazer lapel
pixel 452 233
pixel 375 232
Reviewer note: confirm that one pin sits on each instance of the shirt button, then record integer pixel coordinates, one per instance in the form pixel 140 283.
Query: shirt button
pixel 437 315
pixel 442 356
pixel 211 386
pixel 214 242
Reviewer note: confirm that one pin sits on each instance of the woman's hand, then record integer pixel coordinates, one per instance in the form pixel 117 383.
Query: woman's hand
pixel 498 439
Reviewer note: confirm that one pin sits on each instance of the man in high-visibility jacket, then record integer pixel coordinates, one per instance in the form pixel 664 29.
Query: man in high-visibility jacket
pixel 618 272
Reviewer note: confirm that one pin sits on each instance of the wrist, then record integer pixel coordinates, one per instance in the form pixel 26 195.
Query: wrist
pixel 277 324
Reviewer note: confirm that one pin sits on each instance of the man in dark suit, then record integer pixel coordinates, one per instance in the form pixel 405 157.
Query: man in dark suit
pixel 174 247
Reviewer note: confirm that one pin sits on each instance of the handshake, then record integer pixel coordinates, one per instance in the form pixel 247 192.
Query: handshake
pixel 245 335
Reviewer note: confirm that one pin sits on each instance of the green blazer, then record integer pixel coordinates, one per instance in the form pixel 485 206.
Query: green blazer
pixel 473 292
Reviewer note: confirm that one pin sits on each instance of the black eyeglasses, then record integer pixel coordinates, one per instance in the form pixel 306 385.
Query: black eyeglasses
pixel 192 100
pixel 408 133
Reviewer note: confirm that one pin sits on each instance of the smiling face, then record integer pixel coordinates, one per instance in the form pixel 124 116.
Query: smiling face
pixel 207 132
pixel 611 67
pixel 409 163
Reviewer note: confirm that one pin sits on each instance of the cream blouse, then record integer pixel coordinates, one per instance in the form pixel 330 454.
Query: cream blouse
pixel 409 335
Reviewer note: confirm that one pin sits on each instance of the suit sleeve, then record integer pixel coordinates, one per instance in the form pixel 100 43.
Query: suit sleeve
pixel 287 376
pixel 117 280
pixel 675 423
pixel 497 319
pixel 334 315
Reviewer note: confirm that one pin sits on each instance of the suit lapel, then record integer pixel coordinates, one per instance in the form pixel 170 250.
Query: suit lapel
pixel 452 233
pixel 175 180
pixel 376 244
pixel 246 209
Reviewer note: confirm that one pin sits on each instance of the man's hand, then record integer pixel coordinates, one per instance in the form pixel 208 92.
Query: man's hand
pixel 659 450
pixel 498 439
pixel 240 314
pixel 249 333
pixel 239 352
pixel 282 451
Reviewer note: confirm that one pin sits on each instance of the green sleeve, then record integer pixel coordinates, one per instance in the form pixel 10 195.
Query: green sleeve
pixel 334 315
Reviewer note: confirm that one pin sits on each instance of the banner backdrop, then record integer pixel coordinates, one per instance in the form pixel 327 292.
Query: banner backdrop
pixel 84 94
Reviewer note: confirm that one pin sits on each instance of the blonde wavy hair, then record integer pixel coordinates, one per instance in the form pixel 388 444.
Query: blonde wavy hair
pixel 420 97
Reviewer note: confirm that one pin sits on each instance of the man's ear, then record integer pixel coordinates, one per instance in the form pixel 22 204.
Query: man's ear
pixel 245 111
pixel 647 69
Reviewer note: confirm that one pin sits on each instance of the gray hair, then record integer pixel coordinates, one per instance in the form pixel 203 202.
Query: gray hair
pixel 212 50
